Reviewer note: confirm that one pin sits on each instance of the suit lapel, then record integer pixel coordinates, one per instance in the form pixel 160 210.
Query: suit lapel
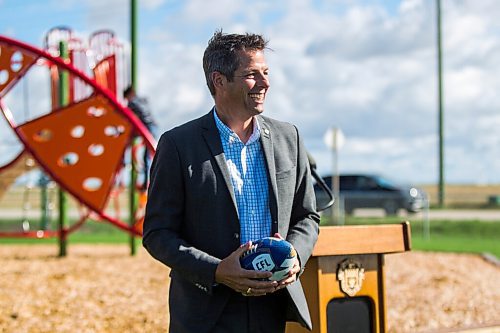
pixel 212 138
pixel 267 148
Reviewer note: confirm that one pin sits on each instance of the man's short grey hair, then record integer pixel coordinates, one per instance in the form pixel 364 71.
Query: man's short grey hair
pixel 221 54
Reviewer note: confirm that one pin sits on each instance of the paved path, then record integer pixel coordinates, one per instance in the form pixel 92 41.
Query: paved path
pixel 451 214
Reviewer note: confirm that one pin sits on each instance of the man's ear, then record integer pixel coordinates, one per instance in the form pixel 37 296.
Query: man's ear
pixel 218 79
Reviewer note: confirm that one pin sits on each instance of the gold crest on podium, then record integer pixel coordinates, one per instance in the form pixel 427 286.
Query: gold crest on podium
pixel 351 275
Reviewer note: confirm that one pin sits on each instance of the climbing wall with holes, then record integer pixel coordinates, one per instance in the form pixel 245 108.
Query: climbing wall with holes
pixel 13 64
pixel 82 146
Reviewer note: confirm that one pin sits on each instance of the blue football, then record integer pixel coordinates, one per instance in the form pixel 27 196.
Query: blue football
pixel 270 254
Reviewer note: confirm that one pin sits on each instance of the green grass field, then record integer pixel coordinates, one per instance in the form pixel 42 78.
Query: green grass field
pixel 470 236
pixel 91 232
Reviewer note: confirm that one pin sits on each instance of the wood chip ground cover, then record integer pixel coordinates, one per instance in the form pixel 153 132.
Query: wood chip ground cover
pixel 101 288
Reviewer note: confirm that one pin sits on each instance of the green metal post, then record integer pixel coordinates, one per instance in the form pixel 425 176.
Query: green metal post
pixel 44 202
pixel 44 221
pixel 133 76
pixel 63 204
pixel 133 42
pixel 133 197
pixel 441 194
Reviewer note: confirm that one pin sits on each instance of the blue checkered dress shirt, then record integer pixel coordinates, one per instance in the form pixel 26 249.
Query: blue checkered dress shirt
pixel 249 179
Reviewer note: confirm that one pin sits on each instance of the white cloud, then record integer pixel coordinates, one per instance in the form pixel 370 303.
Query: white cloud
pixel 352 64
pixel 108 15
pixel 172 79
pixel 153 4
pixel 200 11
pixel 380 87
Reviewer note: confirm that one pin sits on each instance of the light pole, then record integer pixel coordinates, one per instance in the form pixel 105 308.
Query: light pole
pixel 441 195
pixel 334 139
pixel 133 77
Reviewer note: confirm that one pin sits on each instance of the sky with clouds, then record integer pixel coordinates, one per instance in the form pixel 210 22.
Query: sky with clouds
pixel 368 67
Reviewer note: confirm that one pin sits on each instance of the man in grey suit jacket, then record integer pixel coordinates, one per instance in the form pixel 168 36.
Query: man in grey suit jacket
pixel 221 181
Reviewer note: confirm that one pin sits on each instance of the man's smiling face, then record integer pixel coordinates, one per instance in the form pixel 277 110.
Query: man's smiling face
pixel 247 91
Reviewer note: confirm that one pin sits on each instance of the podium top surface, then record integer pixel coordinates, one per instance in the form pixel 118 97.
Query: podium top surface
pixel 363 239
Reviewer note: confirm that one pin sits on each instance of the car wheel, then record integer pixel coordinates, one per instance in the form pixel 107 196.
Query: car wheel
pixel 391 208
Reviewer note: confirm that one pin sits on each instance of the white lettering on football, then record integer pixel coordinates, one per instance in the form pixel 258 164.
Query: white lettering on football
pixel 263 262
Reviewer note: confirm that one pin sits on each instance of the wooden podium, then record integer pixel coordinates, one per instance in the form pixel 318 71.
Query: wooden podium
pixel 344 279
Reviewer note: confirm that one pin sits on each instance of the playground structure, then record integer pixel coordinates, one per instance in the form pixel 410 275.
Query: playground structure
pixel 81 142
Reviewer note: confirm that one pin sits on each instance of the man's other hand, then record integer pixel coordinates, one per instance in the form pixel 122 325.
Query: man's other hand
pixel 247 282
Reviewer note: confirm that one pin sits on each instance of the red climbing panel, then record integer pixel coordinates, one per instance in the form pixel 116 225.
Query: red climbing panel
pixel 13 64
pixel 82 146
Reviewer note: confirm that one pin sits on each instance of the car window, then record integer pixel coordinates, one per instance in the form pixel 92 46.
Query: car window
pixel 347 183
pixel 365 183
pixel 385 183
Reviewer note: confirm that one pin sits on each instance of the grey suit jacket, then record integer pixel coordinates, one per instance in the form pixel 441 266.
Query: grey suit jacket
pixel 192 223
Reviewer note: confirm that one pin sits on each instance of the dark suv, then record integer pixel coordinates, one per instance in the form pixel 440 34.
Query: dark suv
pixel 372 191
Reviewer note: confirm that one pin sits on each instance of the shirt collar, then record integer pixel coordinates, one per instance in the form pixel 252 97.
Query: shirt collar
pixel 228 134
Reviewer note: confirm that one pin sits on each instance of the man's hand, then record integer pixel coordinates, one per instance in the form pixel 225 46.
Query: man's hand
pixel 230 273
pixel 292 275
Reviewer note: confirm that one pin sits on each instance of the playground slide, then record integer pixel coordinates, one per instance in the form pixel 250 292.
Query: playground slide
pixel 12 170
